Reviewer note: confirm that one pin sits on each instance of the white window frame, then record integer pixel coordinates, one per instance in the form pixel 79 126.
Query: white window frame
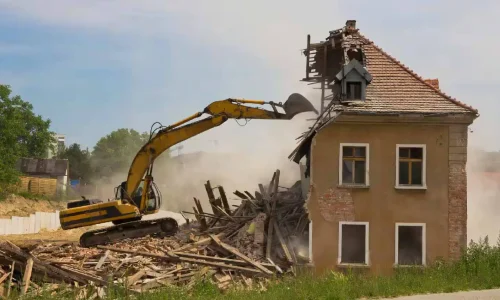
pixel 367 163
pixel 424 167
pixel 367 242
pixel 424 243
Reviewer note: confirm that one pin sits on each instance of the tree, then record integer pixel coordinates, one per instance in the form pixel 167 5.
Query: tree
pixel 114 153
pixel 79 162
pixel 22 133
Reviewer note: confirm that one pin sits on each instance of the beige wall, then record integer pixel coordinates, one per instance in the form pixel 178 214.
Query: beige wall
pixel 381 204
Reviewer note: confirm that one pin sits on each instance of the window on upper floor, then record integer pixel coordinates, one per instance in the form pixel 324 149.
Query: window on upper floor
pixel 353 243
pixel 353 90
pixel 410 248
pixel 410 166
pixel 354 162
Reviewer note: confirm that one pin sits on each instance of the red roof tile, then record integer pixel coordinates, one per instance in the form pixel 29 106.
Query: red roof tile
pixel 396 88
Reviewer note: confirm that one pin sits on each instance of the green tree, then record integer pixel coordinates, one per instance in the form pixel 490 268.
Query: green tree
pixel 79 162
pixel 114 152
pixel 22 133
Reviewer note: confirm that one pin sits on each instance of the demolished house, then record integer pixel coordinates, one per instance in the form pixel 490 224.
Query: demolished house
pixel 385 160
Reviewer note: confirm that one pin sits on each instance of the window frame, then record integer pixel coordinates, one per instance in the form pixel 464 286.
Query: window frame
pixel 423 186
pixel 353 90
pixel 367 164
pixel 367 243
pixel 424 243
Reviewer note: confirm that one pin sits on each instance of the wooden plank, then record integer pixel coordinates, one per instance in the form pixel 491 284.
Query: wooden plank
pixel 241 195
pixel 27 276
pixel 216 258
pixel 282 242
pixel 79 274
pixel 131 280
pixel 102 260
pixel 12 269
pixel 172 258
pixel 250 195
pixel 4 276
pixel 44 267
pixel 203 221
pixel 223 197
pixel 240 255
pixel 204 241
pixel 211 197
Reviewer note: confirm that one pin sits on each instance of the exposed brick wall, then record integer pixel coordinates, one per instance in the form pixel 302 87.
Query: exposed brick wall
pixel 336 204
pixel 457 190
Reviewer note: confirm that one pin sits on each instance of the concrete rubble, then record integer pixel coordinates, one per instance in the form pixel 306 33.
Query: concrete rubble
pixel 243 247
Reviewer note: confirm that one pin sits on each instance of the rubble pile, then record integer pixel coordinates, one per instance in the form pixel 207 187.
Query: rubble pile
pixel 245 247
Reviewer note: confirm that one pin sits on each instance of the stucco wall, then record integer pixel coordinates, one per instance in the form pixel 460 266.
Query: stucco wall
pixel 381 204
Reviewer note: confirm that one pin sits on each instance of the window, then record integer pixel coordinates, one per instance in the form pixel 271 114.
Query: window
pixel 353 243
pixel 410 166
pixel 410 244
pixel 353 90
pixel 354 161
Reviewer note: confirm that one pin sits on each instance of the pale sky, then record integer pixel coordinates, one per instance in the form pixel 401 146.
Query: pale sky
pixel 96 66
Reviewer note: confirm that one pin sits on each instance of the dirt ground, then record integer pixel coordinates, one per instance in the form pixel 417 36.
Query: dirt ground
pixel 21 207
pixel 46 235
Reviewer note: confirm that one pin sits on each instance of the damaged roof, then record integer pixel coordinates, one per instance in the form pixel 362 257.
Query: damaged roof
pixel 397 89
pixel 394 89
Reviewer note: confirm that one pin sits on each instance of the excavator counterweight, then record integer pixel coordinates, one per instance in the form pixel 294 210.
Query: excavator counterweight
pixel 139 196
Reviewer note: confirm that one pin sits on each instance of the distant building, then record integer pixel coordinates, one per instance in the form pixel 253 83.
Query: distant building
pixel 58 145
pixel 46 168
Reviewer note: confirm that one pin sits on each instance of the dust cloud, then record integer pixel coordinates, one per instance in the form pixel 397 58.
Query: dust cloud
pixel 483 197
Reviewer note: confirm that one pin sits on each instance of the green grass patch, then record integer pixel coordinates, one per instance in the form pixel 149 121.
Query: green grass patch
pixel 479 268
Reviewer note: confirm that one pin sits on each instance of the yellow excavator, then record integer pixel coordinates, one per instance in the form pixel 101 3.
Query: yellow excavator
pixel 139 195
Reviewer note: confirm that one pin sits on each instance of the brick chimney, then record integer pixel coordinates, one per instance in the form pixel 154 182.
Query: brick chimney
pixel 350 25
pixel 433 82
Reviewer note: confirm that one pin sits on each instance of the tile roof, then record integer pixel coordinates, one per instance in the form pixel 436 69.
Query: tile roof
pixel 396 88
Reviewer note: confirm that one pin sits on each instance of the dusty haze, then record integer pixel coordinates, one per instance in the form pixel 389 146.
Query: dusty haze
pixel 483 198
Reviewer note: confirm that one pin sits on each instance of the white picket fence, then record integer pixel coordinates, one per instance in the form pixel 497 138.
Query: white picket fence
pixel 32 224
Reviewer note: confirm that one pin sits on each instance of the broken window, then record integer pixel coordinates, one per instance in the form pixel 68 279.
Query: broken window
pixel 354 161
pixel 353 91
pixel 411 166
pixel 353 238
pixel 356 54
pixel 410 244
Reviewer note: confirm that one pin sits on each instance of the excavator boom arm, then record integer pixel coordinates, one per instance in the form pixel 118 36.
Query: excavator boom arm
pixel 220 111
pixel 160 143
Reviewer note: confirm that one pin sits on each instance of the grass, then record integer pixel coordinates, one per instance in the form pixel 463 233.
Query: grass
pixel 479 268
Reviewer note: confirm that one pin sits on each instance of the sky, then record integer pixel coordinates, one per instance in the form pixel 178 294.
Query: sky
pixel 95 66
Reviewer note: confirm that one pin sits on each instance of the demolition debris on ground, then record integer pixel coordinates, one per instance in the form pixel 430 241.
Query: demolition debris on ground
pixel 245 247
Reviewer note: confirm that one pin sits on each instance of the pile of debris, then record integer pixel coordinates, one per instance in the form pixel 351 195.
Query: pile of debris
pixel 244 247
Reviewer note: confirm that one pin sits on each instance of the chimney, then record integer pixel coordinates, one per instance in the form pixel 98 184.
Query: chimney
pixel 433 82
pixel 350 25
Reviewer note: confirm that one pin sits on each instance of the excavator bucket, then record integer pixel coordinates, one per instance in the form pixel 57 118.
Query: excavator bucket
pixel 296 104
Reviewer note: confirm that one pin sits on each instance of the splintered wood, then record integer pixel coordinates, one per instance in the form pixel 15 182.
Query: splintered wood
pixel 265 235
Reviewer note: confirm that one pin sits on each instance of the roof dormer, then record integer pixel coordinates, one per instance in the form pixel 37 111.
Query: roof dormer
pixel 353 79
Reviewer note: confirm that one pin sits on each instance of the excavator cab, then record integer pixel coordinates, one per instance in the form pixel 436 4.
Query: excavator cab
pixel 153 198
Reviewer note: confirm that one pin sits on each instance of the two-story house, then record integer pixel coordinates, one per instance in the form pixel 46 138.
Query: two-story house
pixel 385 160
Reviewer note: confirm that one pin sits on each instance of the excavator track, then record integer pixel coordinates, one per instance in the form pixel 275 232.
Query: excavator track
pixel 133 229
